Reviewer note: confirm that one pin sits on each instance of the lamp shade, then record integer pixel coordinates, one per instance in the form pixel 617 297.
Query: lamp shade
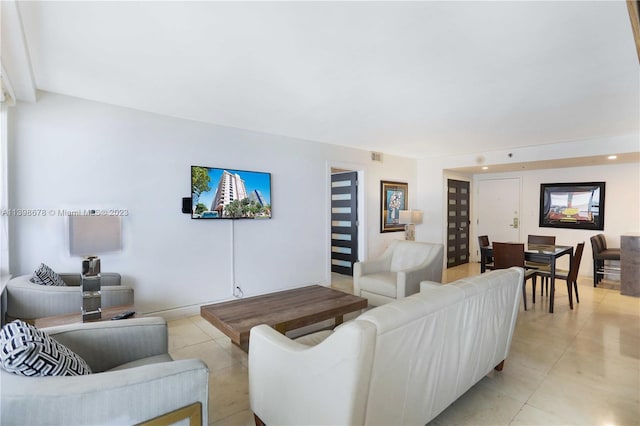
pixel 91 235
pixel 410 217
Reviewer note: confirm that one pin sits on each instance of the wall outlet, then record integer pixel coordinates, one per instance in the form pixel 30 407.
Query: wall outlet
pixel 237 292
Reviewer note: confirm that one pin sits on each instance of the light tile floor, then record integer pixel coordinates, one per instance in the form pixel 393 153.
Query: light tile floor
pixel 579 367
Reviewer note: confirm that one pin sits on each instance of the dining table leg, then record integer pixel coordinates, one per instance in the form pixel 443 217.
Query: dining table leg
pixel 552 278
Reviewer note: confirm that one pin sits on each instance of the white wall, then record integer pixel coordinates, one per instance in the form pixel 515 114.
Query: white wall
pixel 622 201
pixel 72 154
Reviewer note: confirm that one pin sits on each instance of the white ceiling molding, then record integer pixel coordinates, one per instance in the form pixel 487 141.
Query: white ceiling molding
pixel 16 63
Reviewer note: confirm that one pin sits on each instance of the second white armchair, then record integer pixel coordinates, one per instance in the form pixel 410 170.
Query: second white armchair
pixel 397 273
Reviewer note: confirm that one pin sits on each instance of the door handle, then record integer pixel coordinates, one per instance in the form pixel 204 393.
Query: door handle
pixel 515 223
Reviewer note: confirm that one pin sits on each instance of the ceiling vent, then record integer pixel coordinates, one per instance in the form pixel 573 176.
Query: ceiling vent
pixel 376 156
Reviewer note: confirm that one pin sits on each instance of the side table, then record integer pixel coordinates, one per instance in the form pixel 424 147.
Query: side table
pixel 107 314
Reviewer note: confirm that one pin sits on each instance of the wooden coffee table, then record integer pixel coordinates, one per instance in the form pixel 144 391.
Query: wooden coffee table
pixel 283 310
pixel 64 319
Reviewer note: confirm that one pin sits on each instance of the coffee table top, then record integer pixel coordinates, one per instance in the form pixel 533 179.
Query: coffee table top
pixel 283 310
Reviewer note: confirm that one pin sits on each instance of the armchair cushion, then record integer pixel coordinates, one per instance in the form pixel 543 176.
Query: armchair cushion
pixel 408 256
pixel 383 283
pixel 44 275
pixel 27 351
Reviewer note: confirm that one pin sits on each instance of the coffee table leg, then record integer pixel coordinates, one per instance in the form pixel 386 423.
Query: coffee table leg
pixel 339 320
pixel 280 328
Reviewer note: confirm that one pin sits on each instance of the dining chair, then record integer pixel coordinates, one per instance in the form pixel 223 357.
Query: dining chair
pixel 506 255
pixel 544 240
pixel 483 241
pixel 571 276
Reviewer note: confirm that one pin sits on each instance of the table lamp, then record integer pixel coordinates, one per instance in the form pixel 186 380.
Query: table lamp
pixel 410 218
pixel 89 236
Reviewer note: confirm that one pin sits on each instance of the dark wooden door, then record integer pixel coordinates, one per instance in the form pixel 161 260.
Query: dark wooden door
pixel 344 222
pixel 457 223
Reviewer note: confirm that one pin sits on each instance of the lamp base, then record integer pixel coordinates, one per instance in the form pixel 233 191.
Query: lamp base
pixel 90 287
pixel 410 232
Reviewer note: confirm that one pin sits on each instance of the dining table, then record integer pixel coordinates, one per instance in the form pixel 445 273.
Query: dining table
pixel 540 253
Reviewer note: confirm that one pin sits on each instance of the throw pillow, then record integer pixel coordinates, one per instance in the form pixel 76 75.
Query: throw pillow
pixel 45 276
pixel 28 351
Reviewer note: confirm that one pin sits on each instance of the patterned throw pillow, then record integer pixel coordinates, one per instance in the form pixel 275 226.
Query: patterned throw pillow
pixel 45 276
pixel 27 351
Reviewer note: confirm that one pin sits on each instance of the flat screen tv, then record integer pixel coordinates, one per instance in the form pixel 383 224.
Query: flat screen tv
pixel 572 205
pixel 218 193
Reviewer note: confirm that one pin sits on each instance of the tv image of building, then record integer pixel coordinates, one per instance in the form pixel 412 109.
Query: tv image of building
pixel 230 188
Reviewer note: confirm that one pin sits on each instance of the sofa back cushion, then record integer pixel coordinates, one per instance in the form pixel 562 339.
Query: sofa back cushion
pixel 409 254
pixel 433 346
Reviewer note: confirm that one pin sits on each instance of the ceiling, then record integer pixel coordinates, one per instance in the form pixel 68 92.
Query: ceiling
pixel 415 79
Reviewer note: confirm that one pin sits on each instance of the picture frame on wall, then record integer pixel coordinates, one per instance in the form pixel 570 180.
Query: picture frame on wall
pixel 572 205
pixel 394 196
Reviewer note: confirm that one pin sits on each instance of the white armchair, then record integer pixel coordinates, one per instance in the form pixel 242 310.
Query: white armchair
pixel 134 379
pixel 398 272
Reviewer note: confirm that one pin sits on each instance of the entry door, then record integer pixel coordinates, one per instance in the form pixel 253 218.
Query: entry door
pixel 457 223
pixel 344 222
pixel 499 209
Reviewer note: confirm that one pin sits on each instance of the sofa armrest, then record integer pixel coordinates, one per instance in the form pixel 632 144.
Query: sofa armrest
pixel 120 397
pixel 108 344
pixel 285 375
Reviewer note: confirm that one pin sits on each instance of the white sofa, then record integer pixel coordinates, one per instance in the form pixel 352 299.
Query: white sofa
pixel 28 301
pixel 397 273
pixel 398 364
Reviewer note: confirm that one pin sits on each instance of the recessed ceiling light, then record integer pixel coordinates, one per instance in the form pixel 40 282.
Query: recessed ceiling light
pixel 612 157
pixel 485 168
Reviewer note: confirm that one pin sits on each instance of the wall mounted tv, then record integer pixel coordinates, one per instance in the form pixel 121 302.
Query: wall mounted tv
pixel 218 193
pixel 572 205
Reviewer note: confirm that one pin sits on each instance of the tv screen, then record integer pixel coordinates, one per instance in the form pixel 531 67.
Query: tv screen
pixel 218 193
pixel 572 205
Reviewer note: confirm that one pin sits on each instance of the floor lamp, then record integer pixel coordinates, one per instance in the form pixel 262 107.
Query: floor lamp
pixel 88 237
pixel 410 218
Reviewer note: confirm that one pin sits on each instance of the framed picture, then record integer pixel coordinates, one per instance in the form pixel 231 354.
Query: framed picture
pixel 394 196
pixel 572 205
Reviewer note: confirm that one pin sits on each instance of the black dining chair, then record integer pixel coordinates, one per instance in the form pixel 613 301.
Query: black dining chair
pixel 483 241
pixel 547 240
pixel 506 255
pixel 571 276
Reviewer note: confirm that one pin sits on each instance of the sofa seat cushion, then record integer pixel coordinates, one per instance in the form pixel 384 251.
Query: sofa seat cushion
pixel 383 283
pixel 44 275
pixel 28 351
pixel 144 361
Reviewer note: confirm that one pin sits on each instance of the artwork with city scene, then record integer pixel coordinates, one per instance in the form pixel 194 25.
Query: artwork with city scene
pixel 218 193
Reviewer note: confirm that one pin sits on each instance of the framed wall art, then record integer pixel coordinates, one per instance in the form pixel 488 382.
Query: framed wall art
pixel 572 205
pixel 394 196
